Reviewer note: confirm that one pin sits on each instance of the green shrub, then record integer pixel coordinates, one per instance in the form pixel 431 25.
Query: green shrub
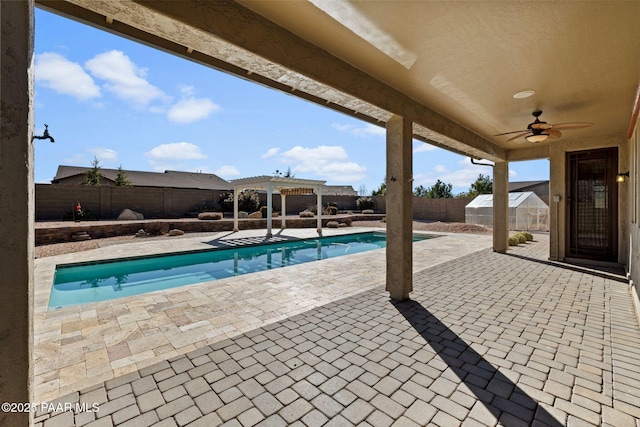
pixel 248 201
pixel 528 236
pixel 513 241
pixel 521 237
pixel 85 215
pixel 364 203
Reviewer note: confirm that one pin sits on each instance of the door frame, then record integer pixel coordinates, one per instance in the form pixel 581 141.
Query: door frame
pixel 610 155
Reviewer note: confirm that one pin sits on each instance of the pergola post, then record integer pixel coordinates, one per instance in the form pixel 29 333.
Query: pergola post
pixel 283 203
pixel 269 209
pixel 319 229
pixel 235 210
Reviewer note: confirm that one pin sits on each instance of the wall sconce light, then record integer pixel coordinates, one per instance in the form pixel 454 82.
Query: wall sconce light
pixel 621 176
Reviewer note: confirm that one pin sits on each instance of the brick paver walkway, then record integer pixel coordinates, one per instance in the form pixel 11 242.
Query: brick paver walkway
pixel 487 339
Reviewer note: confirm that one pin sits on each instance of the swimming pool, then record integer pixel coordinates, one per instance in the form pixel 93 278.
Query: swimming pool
pixel 104 280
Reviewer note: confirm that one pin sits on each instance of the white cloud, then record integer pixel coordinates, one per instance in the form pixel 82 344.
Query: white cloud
pixel 65 77
pixel 187 90
pixel 227 171
pixel 461 178
pixel 270 153
pixel 104 154
pixel 361 131
pixel 124 78
pixel 175 151
pixel 328 162
pixel 191 109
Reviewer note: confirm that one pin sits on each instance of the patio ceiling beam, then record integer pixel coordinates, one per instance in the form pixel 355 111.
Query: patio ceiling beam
pixel 227 27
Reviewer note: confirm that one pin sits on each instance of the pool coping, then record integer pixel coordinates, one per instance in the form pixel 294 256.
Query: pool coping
pixel 78 346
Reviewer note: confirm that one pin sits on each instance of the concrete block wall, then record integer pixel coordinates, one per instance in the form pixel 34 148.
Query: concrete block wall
pixel 54 200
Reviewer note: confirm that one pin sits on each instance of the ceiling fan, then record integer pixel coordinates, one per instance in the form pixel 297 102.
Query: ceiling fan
pixel 539 131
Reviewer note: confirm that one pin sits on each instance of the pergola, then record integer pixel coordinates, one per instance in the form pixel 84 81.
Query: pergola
pixel 285 186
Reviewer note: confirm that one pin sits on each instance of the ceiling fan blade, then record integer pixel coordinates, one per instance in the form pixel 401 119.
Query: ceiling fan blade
pixel 573 125
pixel 514 131
pixel 541 126
pixel 553 132
pixel 518 136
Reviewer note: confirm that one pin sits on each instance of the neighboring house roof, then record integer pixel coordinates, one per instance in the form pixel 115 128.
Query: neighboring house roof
pixel 526 186
pixel 172 179
pixel 339 190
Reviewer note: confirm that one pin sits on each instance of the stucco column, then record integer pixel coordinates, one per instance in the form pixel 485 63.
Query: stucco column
pixel 269 209
pixel 235 209
pixel 501 207
pixel 319 223
pixel 399 201
pixel 17 208
pixel 283 204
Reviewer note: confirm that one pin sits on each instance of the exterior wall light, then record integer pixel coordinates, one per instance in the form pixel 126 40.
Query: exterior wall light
pixel 621 177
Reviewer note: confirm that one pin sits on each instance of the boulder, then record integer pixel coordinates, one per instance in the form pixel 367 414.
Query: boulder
pixel 175 232
pixel 367 211
pixel 306 214
pixel 141 233
pixel 243 215
pixel 129 215
pixel 256 215
pixel 210 215
pixel 333 224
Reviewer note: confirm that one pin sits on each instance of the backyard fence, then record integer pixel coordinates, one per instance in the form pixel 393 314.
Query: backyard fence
pixel 53 201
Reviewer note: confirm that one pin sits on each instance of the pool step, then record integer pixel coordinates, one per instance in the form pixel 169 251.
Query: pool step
pixel 80 235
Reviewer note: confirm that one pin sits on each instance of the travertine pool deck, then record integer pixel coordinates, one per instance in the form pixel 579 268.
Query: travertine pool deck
pixel 487 338
pixel 76 347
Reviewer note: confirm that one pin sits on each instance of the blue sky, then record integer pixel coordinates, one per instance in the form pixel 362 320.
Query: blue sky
pixel 133 106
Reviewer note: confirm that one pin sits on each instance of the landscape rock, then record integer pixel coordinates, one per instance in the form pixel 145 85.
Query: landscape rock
pixel 210 215
pixel 129 215
pixel 142 233
pixel 175 232
pixel 306 214
pixel 333 224
pixel 256 215
pixel 243 215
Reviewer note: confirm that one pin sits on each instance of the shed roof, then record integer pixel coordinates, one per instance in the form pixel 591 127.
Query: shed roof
pixel 515 199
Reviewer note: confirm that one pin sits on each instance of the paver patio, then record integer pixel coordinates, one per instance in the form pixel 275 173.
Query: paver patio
pixel 487 339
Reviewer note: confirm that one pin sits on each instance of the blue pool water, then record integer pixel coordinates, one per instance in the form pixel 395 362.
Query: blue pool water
pixel 103 280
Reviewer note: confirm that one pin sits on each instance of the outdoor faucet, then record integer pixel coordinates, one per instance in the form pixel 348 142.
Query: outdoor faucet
pixel 45 135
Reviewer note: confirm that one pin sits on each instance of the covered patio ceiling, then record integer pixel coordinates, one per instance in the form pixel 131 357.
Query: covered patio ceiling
pixel 453 66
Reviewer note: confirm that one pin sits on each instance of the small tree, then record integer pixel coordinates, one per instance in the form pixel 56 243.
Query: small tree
pixel 482 185
pixel 121 178
pixel 93 175
pixel 420 191
pixel 362 191
pixel 440 190
pixel 381 191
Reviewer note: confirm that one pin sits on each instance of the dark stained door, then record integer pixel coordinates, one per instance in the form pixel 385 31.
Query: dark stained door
pixel 592 196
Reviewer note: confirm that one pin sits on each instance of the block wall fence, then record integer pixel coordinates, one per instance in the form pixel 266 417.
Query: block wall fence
pixel 106 202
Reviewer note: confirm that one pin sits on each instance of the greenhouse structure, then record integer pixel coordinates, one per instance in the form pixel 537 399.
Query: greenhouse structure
pixel 527 211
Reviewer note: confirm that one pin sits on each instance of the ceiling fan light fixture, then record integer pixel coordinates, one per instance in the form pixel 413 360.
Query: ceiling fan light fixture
pixel 537 138
pixel 523 94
